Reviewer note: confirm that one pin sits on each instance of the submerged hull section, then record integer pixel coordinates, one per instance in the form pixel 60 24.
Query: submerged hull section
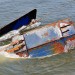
pixel 51 39
pixel 55 47
pixel 24 20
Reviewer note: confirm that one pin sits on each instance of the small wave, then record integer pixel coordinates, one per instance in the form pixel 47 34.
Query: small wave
pixel 11 55
pixel 42 57
pixel 3 1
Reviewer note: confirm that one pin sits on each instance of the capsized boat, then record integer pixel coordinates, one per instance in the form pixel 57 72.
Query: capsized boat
pixel 50 39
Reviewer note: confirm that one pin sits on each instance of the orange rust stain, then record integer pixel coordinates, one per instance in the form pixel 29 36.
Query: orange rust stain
pixel 14 49
pixel 20 54
pixel 58 47
pixel 60 21
pixel 72 38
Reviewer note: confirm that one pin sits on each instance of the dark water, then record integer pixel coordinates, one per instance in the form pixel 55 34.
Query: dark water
pixel 49 11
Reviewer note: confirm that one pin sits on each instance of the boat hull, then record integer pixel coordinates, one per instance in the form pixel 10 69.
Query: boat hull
pixel 50 39
pixel 56 47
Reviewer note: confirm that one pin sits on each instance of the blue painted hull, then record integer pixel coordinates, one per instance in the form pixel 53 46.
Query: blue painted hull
pixel 24 20
pixel 50 49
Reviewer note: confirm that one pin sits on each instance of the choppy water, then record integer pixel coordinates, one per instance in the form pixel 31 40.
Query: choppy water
pixel 49 11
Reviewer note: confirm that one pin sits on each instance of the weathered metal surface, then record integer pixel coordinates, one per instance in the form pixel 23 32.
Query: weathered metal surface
pixel 51 39
pixel 48 33
pixel 55 47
